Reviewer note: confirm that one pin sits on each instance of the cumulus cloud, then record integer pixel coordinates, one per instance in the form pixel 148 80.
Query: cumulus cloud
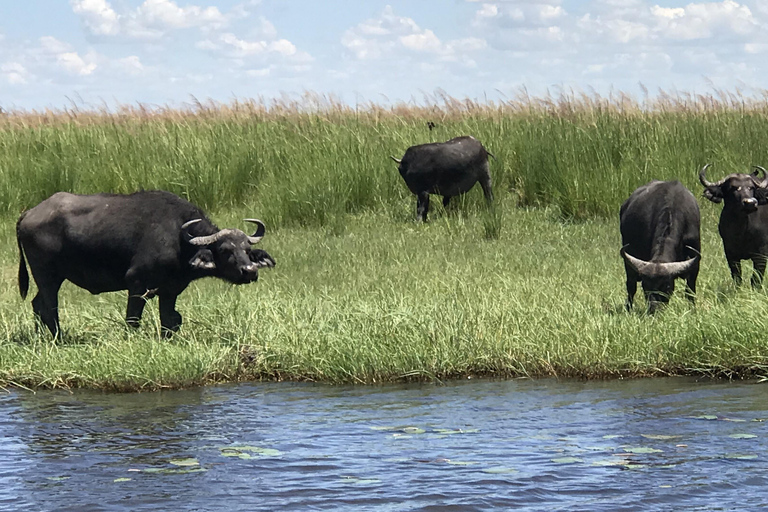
pixel 97 15
pixel 150 20
pixel 379 37
pixel 74 64
pixel 15 73
pixel 237 48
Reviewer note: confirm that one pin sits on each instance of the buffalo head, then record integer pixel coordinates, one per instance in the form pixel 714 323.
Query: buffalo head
pixel 742 191
pixel 658 279
pixel 228 253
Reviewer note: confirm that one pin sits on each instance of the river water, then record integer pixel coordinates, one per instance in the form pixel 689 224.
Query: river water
pixel 653 444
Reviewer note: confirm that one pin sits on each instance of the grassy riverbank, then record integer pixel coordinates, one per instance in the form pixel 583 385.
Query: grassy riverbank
pixel 361 293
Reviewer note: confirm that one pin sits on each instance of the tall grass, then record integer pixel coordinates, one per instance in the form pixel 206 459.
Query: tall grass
pixel 306 163
pixel 362 293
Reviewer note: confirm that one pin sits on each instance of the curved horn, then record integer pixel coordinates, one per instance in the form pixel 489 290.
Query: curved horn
pixel 638 265
pixel 676 268
pixel 201 240
pixel 703 178
pixel 671 269
pixel 395 159
pixel 260 230
pixel 209 239
pixel 763 183
pixel 190 222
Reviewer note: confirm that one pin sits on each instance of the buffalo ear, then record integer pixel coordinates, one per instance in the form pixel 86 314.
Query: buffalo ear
pixel 761 194
pixel 262 258
pixel 202 260
pixel 713 193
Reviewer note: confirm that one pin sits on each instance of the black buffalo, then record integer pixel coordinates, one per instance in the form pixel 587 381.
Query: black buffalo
pixel 743 222
pixel 661 241
pixel 445 168
pixel 151 243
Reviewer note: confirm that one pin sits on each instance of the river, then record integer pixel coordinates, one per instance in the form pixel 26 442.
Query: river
pixel 648 444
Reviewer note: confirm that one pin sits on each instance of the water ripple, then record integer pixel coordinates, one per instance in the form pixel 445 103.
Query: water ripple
pixel 529 445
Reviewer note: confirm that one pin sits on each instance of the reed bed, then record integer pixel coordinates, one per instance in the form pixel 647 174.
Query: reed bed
pixel 361 293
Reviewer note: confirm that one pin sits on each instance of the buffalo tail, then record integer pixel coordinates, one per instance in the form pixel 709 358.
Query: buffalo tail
pixel 23 275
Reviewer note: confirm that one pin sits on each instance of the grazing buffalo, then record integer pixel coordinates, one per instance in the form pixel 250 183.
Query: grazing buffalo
pixel 445 168
pixel 660 234
pixel 151 243
pixel 743 222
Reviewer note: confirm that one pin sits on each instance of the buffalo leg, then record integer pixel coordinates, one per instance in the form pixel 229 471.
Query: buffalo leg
pixel 632 279
pixel 485 183
pixel 758 263
pixel 170 319
pixel 690 284
pixel 135 308
pixel 46 304
pixel 422 206
pixel 446 200
pixel 735 266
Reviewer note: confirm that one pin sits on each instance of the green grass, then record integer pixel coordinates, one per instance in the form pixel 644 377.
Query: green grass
pixel 363 294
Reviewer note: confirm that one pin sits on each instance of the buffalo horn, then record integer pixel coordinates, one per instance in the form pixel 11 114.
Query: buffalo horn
pixel 209 239
pixel 200 240
pixel 260 230
pixel 395 159
pixel 703 178
pixel 763 183
pixel 646 268
pixel 190 222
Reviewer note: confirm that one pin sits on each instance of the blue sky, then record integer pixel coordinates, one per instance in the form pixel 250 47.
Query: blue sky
pixel 164 52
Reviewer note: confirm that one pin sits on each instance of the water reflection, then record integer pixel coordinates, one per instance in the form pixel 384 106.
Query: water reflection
pixel 480 445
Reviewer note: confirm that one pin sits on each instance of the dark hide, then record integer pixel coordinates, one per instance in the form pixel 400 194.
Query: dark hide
pixel 743 222
pixel 445 168
pixel 660 228
pixel 136 242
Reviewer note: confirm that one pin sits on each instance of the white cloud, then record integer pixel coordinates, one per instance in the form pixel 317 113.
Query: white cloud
pixel 97 15
pixel 73 64
pixel 389 33
pixel 15 73
pixel 52 45
pixel 150 20
pixel 131 65
pixel 235 47
pixel 166 14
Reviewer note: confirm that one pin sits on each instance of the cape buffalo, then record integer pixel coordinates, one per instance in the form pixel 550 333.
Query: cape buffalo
pixel 743 222
pixel 151 243
pixel 445 168
pixel 660 235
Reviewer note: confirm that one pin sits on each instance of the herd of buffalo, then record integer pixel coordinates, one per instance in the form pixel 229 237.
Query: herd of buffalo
pixel 154 243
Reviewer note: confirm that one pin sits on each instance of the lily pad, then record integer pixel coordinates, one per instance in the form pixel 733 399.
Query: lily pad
pixel 642 449
pixel 499 471
pixel 456 431
pixel 612 436
pixel 610 462
pixel 244 452
pixel 660 437
pixel 459 462
pixel 567 460
pixel 185 462
pixel 58 478
pixel 122 479
pixel 413 430
pixel 742 436
pixel 740 456
pixel 705 417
